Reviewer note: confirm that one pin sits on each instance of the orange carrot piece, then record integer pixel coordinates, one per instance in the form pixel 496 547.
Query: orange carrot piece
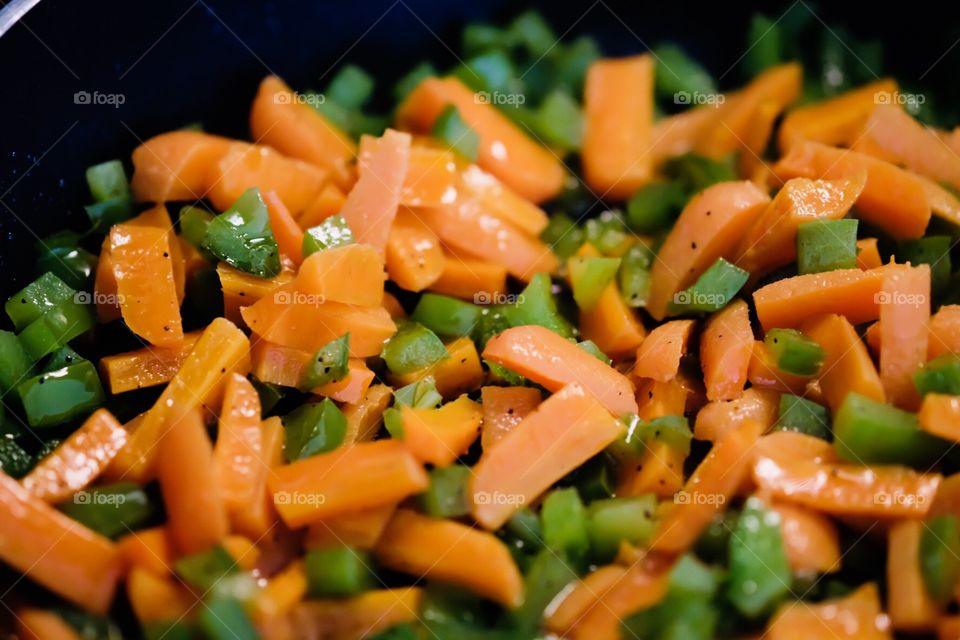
pixel 868 257
pixel 658 357
pixel 719 417
pixel 148 549
pixel 948 627
pixel 500 201
pixel 612 325
pixel 848 292
pixel 909 605
pixel 242 289
pixel 105 285
pixel 707 490
pixel 659 471
pixel 943 203
pixel 940 415
pixel 503 409
pixel 904 316
pixel 763 373
pixel 42 543
pixel 372 203
pixel 439 436
pixel 857 616
pixel 847 366
pixel 277 364
pixel 554 362
pixel 431 176
pixel 725 351
pixel 176 165
pixel 363 418
pixel 361 616
pixel 583 594
pixel 944 331
pixel 450 552
pixel 345 480
pixel 466 277
pixel 358 529
pixel 893 199
pixel 710 227
pixel 561 434
pixel 618 116
pixel 414 256
pixel 285 229
pixel 460 372
pixel 676 134
pixel 352 387
pixel 146 367
pixel 278 597
pixel 238 456
pixel 351 274
pixel 329 202
pixel 78 460
pixel 146 289
pixel 159 218
pixel 505 150
pixel 243 551
pixel 157 598
pixel 657 399
pixel 947 500
pixel 37 624
pixel 809 538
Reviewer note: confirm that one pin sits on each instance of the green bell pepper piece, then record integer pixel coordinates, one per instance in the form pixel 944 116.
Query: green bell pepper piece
pixel 531 32
pixel 412 79
pixel 696 172
pixel 794 352
pixel 563 235
pixel 713 290
pixel 446 316
pixel 679 78
pixel 328 364
pixel 607 232
pixel 204 570
pixel 478 38
pixel 167 630
pixel 413 347
pixel 687 611
pixel 671 430
pixel 634 275
pixel 595 479
pixel 104 215
pixel 54 397
pixel 312 428
pixel 332 232
pixel 572 61
pixel 241 236
pixel 537 305
pixel 44 294
pixel 446 497
pixel 487 72
pixel 547 575
pixel 804 416
pixel 450 128
pixel 610 521
pixel 223 618
pixel 764 48
pixel 589 277
pixel 337 572
pixel 760 574
pixel 194 223
pixel 931 250
pixel 654 207
pixel 564 522
pixel 110 510
pixel 270 394
pixel 591 347
pixel 108 180
pixel 397 632
pixel 57 327
pixel 870 432
pixel 525 525
pixel 940 375
pixel 62 255
pixel 826 245
pixel 15 364
pixel 940 557
pixel 351 87
pixel 559 121
pixel 421 394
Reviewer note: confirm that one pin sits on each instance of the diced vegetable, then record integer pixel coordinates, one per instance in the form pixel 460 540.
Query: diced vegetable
pixel 337 572
pixel 825 245
pixel 589 277
pixel 446 497
pixel 62 393
pixel 241 237
pixel 329 364
pixel 713 290
pixel 870 432
pixel 759 573
pixel 613 520
pixel 413 347
pixel 108 181
pixel 452 130
pixel 313 428
pixel 332 232
pixel 940 557
pixel 940 375
pixel 804 416
pixel 564 524
pixel 794 352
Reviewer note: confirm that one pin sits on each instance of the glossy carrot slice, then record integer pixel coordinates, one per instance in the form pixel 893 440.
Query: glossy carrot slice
pixel 460 372
pixel 359 529
pixel 242 289
pixel 940 415
pixel 327 203
pixel 280 594
pixel 908 604
pixel 725 351
pixel 658 357
pixel 238 455
pixel 431 176
pixel 500 201
pixel 414 256
pixel 352 274
pixel 564 432
pixel 352 388
pixel 810 539
pixel 857 616
pixel 156 598
pixel 176 165
pixel 105 285
pixel 450 552
pixel 847 367
pixel 554 362
pixel 286 231
pixel 259 518
pixel 78 460
pixel 363 418
pixel 657 399
pixel 503 409
pixel 466 277
pixel 43 544
pixel 943 203
pixel 763 373
pixel 612 325
pixel 159 217
pixel 146 367
pixel 676 134
pixel 868 257
pixel 757 139
pixel 439 436
pixel 659 471
pixel 904 316
pixel 582 595
pixel 719 417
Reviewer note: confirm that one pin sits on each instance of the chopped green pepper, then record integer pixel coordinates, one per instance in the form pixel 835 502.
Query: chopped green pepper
pixel 559 120
pixel 596 478
pixel 412 79
pixel 794 352
pixel 634 275
pixel 573 60
pixel 870 432
pixel 607 232
pixel 547 575
pixel 15 364
pixel 679 77
pixel 194 222
pixel 104 215
pixel 488 72
pixel 204 570
pixel 940 375
pixel 687 611
pixel 167 630
pixel 525 525
pixel 351 87
pixel 402 631
pixel 332 232
pixel 825 245
pixel 478 38
pixel 696 172
pixel 537 305
pixel 421 394
pixel 446 316
pixel 804 416
pixel 931 250
pixel 564 522
pixel 241 236
pixel 591 347
pixel 413 347
pixel 110 510
pixel 450 128
pixel 62 255
pixel 446 497
pixel 563 235
pixel 337 572
pixel 57 327
pixel 629 519
pixel 940 557
pixel 224 618
pixel 759 571
pixel 589 277
pixel 328 364
pixel 530 31
pixel 53 397
pixel 764 45
pixel 44 294
pixel 713 290
pixel 312 428
pixel 654 207
pixel 108 180
pixel 14 461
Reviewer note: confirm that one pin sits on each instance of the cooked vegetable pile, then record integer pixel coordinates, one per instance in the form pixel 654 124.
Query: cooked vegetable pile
pixel 352 380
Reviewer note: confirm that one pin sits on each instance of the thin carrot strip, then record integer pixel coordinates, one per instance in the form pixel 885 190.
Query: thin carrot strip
pixel 909 605
pixel 847 366
pixel 286 231
pixel 503 409
pixel 904 315
pixel 726 347
pixel 940 415
pixel 358 529
pixel 239 456
pixel 146 367
pixel 857 616
pixel 658 357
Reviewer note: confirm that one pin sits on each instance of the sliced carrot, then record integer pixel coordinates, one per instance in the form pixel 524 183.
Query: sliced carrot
pixel 857 616
pixel 658 357
pixel 677 134
pixel 105 285
pixel 285 229
pixel 352 387
pixel 503 409
pixel 847 366
pixel 904 316
pixel 345 480
pixel 148 549
pixel 707 490
pixel 277 364
pixel 157 598
pixel 465 277
pixel 948 628
pixel 242 289
pixel 450 552
pixel 146 289
pixel 259 517
pixel 278 597
pixel 868 257
pixel 893 199
pixel 358 530
pixel 764 373
pixel 37 624
pixel 363 418
pixel 460 372
pixel 572 603
pixel 710 227
pixel 612 325
pixel 500 201
pixel 238 455
pixel 566 430
pixel 327 203
pixel 146 367
pixel 618 116
pixel 940 415
pixel 372 202
pixel 909 605
pixel 505 151
pixel 414 256
pixel 719 417
pixel 40 542
pixel 243 550
pixel 771 241
pixel 944 331
pixel 809 538
pixel 849 292
pixel 725 351
pixel 78 460
pixel 362 616
pixel 947 500
pixel 657 399
pixel 659 471
pixel 554 362
pixel 279 119
pixel 159 218
pixel 431 176
pixel 943 203
pixel 799 445
pixel 176 165
pixel 351 274
pixel 439 436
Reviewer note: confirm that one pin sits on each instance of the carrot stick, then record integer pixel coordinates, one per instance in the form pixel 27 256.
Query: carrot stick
pixel 857 615
pixel 612 325
pixel 37 624
pixel 460 372
pixel 847 366
pixel 583 594
pixel 550 360
pixel 940 415
pixel 657 399
pixel 757 139
pixel 909 605
pixel 719 417
pixel 676 134
pixel 40 542
pixel 658 357
pixel 78 460
pixel 450 552
pixel 362 616
pixel 414 256
pixel 285 229
pixel 503 409
pixel 146 367
pixel 904 316
pixel 148 549
pixel 280 594
pixel 159 218
pixel 725 351
pixel 944 331
pixel 238 456
pixel 358 530
pixel 439 436
pixel 564 432
pixel 175 165
pixel 465 277
pixel 364 417
pixel 809 538
pixel 501 201
pixel 156 598
pixel 868 257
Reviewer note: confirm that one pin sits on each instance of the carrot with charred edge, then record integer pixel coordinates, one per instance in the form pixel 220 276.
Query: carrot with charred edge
pixel 465 277
pixel 352 387
pixel 285 229
pixel 944 331
pixel 809 538
pixel 849 292
pixel 361 616
pixel 659 471
pixel 909 605
pixel 656 399
pixel 505 150
pixel 460 372
pixel 278 597
pixel 414 256
pixel 719 417
pixel 148 549
pixel 242 289
pixel 327 203
pixel 349 479
pixel 37 624
pixel 146 367
pixel 709 227
pixel 78 460
pixel 566 430
pixel 371 204
pixel 612 325
pixel 358 530
pixel 238 455
pixel 893 199
pixel 726 347
pixel 618 116
pixel 554 362
pixel 940 415
pixel 847 366
pixel 763 373
pixel 363 418
pixel 500 201
pixel 503 409
pixel 450 552
pixel 584 594
pixel 857 616
pixel 221 350
pixel 41 542
pixel 868 257
pixel 717 478
pixel 439 436
pixel 156 598
pixel 658 357
pixel 176 165
pixel 904 316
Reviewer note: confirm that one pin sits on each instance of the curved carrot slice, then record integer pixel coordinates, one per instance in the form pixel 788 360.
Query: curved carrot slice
pixel 658 357
pixel 346 480
pixel 465 277
pixel 709 227
pixel 725 351
pixel 159 217
pixel 157 598
pixel 857 616
pixel 566 430
pixel 554 362
pixel 505 151
pixel 944 331
pixel 280 594
pixel 719 417
pixel 868 256
pixel 329 202
pixel 297 130
pixel 849 292
pixel 940 415
pixel 751 163
pixel 764 373
pixel 500 201
pixel 503 409
pixel 795 445
pixel 285 229
pixel 893 199
pixel 238 455
pixel 439 436
pixel 659 471
pixel 146 367
pixel 414 256
pixel 943 203
pixel 362 616
pixel 148 549
pixel 352 387
pixel 54 550
pixel 676 134
pixel 771 241
pixel 176 165
pixel 242 289
pixel 431 176
pixel 351 274
pixel 363 418
pixel 359 530
pixel 847 366
pixel 809 538
pixel 618 115
pixel 78 460
pixel 37 624
pixel 904 315
pixel 259 517
pixel 909 605
pixel 584 594
pixel 371 204
pixel 657 399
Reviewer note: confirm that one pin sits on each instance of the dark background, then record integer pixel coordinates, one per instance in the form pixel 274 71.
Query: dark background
pixel 177 62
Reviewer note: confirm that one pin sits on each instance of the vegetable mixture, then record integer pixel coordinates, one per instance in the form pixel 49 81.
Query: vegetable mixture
pixel 352 380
